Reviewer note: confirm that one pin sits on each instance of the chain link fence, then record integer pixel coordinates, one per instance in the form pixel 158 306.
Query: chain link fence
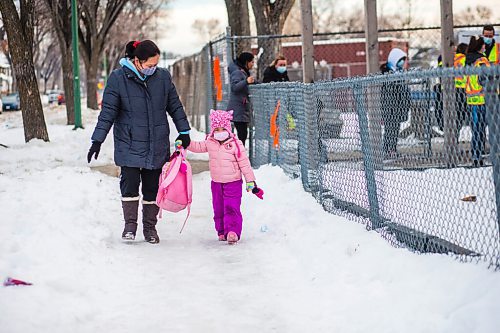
pixel 345 140
pixel 401 153
pixel 203 79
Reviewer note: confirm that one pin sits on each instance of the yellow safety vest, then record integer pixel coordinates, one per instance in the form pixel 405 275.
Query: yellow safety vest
pixel 494 57
pixel 459 61
pixel 474 91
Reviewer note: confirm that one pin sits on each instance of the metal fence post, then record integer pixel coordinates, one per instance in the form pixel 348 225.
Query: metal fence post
pixel 308 139
pixel 492 101
pixel 228 58
pixel 368 156
pixel 210 93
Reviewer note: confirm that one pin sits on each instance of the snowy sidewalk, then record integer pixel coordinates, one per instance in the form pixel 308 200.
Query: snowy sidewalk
pixel 308 272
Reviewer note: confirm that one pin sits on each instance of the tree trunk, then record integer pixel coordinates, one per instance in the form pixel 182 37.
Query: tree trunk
pixel 239 21
pixel 61 20
pixel 270 19
pixel 69 94
pixel 20 46
pixel 91 72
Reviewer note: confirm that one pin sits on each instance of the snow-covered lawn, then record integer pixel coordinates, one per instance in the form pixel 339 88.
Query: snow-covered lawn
pixel 296 269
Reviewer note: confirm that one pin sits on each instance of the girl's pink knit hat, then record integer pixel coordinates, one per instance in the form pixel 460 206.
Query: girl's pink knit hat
pixel 221 118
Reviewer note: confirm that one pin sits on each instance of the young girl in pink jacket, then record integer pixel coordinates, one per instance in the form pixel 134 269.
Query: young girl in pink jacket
pixel 227 163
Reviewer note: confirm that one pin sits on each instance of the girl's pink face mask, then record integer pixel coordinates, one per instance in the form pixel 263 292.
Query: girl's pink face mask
pixel 221 136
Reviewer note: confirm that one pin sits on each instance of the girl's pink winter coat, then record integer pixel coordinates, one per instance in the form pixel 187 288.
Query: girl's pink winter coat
pixel 227 160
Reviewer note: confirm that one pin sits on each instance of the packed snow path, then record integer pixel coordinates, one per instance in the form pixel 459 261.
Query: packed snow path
pixel 296 269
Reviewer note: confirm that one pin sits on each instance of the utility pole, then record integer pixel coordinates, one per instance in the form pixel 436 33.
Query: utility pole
pixel 371 36
pixel 307 41
pixel 374 116
pixel 447 84
pixel 76 64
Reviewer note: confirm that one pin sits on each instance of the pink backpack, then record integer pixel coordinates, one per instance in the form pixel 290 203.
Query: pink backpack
pixel 175 191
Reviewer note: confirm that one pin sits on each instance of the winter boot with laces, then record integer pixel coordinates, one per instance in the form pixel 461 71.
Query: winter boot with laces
pixel 149 218
pixel 130 207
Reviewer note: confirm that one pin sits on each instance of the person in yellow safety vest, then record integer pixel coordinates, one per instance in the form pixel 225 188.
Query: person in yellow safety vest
pixel 475 98
pixel 460 83
pixel 492 50
pixel 460 100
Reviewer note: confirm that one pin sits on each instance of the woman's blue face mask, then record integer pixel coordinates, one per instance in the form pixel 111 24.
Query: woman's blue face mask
pixel 148 71
pixel 281 69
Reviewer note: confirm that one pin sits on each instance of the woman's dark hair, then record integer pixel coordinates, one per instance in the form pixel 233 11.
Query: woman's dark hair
pixel 143 50
pixel 475 44
pixel 243 59
pixel 462 48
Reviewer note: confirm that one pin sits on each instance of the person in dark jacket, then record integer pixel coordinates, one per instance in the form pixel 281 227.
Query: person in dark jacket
pixel 240 78
pixel 395 101
pixel 276 72
pixel 136 101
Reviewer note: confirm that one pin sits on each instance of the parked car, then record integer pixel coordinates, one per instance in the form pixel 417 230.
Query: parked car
pixel 60 99
pixel 11 102
pixel 1 106
pixel 56 96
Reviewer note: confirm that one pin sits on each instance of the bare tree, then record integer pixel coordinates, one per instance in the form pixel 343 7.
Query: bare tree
pixel 49 65
pixel 206 29
pixel 97 19
pixel 270 17
pixel 473 15
pixel 4 48
pixel 60 13
pixel 47 59
pixel 19 28
pixel 239 21
pixel 139 19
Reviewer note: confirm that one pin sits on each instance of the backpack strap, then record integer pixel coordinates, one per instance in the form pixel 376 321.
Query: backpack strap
pixel 171 172
pixel 187 216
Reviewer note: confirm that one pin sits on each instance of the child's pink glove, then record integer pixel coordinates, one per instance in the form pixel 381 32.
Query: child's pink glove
pixel 252 186
pixel 258 192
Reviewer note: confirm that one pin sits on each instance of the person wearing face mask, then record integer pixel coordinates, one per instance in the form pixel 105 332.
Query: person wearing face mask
pixel 276 72
pixel 475 98
pixel 492 50
pixel 240 78
pixel 228 162
pixel 137 98
pixel 395 101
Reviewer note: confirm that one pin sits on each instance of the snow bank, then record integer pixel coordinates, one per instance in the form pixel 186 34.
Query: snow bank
pixel 296 269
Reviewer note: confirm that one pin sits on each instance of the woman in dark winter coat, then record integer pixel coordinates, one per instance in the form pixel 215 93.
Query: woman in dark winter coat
pixel 239 72
pixel 276 72
pixel 395 101
pixel 136 101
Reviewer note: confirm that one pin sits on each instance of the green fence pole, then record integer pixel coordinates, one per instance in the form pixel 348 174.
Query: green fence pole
pixel 76 65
